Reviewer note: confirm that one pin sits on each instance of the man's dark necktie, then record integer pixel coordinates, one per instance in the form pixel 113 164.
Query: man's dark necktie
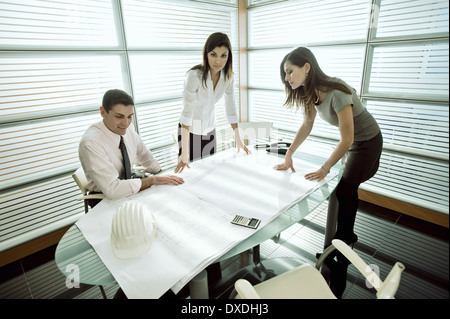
pixel 125 159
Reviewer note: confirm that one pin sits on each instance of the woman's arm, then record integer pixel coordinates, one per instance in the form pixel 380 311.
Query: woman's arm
pixel 346 129
pixel 302 133
pixel 183 160
pixel 237 136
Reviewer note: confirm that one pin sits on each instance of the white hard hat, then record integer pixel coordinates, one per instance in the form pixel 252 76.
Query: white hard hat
pixel 133 230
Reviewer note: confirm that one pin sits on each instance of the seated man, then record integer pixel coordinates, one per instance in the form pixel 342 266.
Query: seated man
pixel 101 156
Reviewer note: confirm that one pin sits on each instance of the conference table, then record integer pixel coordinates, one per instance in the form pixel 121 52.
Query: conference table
pixel 75 255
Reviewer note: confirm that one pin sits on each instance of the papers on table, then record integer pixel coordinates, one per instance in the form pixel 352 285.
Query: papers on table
pixel 191 233
pixel 194 220
pixel 248 185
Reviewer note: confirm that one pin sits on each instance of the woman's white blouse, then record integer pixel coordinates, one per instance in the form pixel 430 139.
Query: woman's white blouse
pixel 199 102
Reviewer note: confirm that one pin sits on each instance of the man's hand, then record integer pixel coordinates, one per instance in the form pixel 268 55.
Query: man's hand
pixel 161 180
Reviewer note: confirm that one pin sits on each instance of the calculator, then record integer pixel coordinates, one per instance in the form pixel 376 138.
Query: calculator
pixel 246 221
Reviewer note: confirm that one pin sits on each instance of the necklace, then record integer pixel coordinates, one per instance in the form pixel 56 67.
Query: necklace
pixel 317 102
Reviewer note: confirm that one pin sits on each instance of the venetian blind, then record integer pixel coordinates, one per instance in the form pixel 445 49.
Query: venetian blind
pixel 176 24
pixel 346 62
pixel 398 63
pixel 38 84
pixel 57 58
pixel 56 61
pixel 37 209
pixel 407 91
pixel 56 24
pixel 165 39
pixel 276 29
pixel 414 19
pixel 295 23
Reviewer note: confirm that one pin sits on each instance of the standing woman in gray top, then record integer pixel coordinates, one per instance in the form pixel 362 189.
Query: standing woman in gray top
pixel 360 145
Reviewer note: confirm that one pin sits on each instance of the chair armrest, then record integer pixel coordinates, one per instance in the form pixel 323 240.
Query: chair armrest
pixel 246 290
pixel 91 196
pixel 324 256
pixel 362 267
pixel 390 284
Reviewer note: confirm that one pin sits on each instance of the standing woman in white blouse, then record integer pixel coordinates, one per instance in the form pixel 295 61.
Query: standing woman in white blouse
pixel 204 86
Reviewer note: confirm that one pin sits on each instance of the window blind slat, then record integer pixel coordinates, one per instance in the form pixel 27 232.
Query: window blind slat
pixel 404 178
pixel 175 24
pixel 410 71
pixel 33 211
pixel 415 125
pixel 44 24
pixel 417 17
pixel 33 84
pixel 405 84
pixel 346 62
pixel 57 59
pixel 299 22
pixel 36 151
pixel 158 76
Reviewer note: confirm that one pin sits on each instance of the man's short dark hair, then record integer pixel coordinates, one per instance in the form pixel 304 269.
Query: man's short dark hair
pixel 113 97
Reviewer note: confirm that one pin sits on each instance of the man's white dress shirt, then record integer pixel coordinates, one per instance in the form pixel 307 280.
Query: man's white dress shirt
pixel 101 160
pixel 199 102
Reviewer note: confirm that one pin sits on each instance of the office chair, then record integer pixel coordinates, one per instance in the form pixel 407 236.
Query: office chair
pixel 306 281
pixel 80 179
pixel 255 131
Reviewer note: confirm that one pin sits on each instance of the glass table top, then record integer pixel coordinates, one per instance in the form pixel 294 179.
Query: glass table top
pixel 75 256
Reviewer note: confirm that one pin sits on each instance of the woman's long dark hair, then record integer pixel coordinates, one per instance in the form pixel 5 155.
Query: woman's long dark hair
pixel 306 95
pixel 217 39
